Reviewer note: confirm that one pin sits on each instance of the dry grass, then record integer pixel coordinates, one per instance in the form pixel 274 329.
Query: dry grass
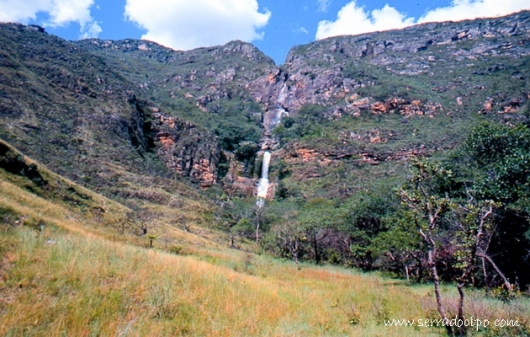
pixel 67 283
pixel 74 278
pixel 78 276
pixel 76 208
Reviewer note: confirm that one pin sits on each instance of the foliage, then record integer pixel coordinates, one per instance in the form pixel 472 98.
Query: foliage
pixel 501 155
pixel 468 228
pixel 232 132
pixel 400 249
pixel 305 123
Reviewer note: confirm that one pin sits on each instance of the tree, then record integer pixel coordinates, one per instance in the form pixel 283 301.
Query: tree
pixel 474 230
pixel 315 222
pixel 242 228
pixel 500 159
pixel 289 235
pixel 400 248
pixel 430 210
pixel 495 162
pixel 362 218
pixel 143 219
pixel 466 224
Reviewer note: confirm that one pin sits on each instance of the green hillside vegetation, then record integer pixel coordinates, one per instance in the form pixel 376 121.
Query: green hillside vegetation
pixel 175 80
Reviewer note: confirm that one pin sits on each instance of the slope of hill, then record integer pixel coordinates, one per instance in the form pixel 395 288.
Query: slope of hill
pixel 71 111
pixel 377 97
pixel 69 266
pixel 383 96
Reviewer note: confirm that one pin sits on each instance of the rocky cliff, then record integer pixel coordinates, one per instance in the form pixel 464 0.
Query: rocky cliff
pixel 205 114
pixel 347 74
pixel 72 111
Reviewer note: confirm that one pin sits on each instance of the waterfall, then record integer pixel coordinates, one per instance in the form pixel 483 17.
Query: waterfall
pixel 263 185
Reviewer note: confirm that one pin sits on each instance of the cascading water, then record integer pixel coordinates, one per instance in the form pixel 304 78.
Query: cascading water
pixel 263 185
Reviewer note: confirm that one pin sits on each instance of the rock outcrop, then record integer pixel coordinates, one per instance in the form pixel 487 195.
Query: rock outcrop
pixel 330 71
pixel 186 149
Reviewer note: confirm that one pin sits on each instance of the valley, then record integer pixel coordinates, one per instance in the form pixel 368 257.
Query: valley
pixel 131 201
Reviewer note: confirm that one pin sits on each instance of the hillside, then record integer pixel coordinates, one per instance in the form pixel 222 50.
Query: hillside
pixel 71 111
pixel 71 266
pixel 383 96
pixel 405 153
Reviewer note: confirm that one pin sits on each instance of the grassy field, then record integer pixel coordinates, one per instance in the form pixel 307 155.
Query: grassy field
pixel 64 283
pixel 65 278
pixel 66 270
pixel 55 282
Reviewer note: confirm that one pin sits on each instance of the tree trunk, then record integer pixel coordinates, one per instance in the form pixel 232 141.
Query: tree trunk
pixel 490 260
pixel 315 249
pixel 462 331
pixel 436 278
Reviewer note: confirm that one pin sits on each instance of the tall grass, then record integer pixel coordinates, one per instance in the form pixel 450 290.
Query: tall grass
pixel 57 283
pixel 67 273
pixel 71 277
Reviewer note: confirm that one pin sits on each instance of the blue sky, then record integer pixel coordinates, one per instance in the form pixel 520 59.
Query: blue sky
pixel 274 26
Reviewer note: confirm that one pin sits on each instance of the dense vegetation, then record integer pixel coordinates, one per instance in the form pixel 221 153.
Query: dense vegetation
pixel 67 269
pixel 491 166
pixel 464 218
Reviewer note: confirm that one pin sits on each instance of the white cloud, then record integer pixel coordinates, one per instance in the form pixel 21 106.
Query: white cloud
pixel 352 19
pixel 466 9
pixel 323 5
pixel 301 30
pixel 21 11
pixel 60 12
pixel 91 30
pixel 185 24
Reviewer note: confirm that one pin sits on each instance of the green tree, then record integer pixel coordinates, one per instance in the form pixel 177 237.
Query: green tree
pixel 400 248
pixel 243 228
pixel 495 162
pixel 500 159
pixel 315 221
pixel 466 224
pixel 361 217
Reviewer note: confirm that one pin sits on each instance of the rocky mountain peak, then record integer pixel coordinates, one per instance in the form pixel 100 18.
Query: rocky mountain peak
pixel 198 111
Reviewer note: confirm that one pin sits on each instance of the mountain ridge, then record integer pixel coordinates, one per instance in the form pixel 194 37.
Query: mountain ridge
pixel 206 114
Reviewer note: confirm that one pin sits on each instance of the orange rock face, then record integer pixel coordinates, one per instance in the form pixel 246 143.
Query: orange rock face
pixel 205 173
pixel 309 155
pixel 196 160
pixel 375 139
pixel 379 108
pixel 306 155
pixel 488 105
pixel 395 102
pixel 509 109
pixel 243 185
pixel 361 103
pixel 166 140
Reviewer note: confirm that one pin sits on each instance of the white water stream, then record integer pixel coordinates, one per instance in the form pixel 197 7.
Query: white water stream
pixel 263 185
